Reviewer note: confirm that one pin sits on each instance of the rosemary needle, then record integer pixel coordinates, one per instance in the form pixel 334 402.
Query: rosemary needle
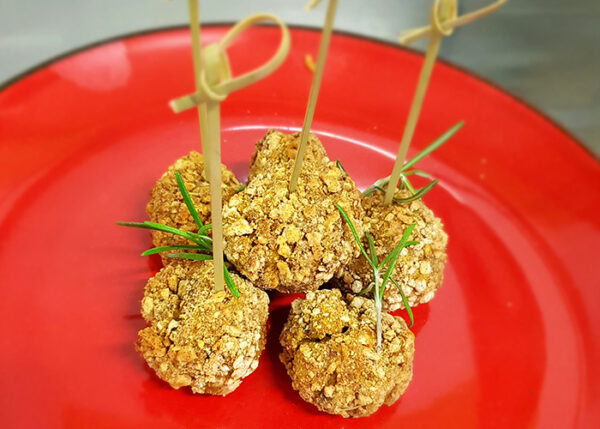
pixel 416 194
pixel 188 201
pixel 405 302
pixel 433 146
pixel 354 233
pixel 372 252
pixel 404 182
pixel 341 167
pixel 156 250
pixel 202 240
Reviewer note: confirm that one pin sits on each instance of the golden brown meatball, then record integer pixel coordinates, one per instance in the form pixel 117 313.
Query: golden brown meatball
pixel 292 242
pixel 208 341
pixel 166 205
pixel 420 267
pixel 329 351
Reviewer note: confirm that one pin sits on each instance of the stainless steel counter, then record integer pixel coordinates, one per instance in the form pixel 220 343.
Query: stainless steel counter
pixel 544 51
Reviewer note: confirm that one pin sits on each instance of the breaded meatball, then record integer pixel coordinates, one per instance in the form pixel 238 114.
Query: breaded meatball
pixel 329 351
pixel 278 148
pixel 292 242
pixel 420 268
pixel 198 338
pixel 166 205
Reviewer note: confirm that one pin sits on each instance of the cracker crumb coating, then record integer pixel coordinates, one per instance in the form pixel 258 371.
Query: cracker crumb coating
pixel 208 341
pixel 420 268
pixel 166 206
pixel 291 242
pixel 278 148
pixel 329 351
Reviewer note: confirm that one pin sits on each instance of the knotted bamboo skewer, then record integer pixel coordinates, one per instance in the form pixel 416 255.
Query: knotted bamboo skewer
pixel 443 20
pixel 213 83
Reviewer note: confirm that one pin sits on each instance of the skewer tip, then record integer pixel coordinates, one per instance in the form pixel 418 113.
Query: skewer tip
pixel 311 5
pixel 309 63
pixel 173 106
pixel 403 37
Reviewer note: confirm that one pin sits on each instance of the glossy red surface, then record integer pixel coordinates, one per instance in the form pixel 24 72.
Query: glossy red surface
pixel 511 339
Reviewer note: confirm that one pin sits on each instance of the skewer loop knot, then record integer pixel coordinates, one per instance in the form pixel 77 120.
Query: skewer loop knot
pixel 450 21
pixel 215 81
pixel 441 13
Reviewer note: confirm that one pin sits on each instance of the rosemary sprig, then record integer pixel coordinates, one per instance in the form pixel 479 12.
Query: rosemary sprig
pixel 381 271
pixel 203 243
pixel 380 184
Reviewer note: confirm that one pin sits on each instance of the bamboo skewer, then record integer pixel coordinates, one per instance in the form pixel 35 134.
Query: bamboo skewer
pixel 443 19
pixel 433 48
pixel 409 36
pixel 213 162
pixel 198 59
pixel 211 156
pixel 314 89
pixel 213 83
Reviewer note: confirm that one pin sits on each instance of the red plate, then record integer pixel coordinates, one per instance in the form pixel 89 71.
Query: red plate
pixel 511 340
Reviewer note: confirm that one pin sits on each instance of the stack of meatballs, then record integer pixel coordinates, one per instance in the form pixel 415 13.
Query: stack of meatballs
pixel 292 243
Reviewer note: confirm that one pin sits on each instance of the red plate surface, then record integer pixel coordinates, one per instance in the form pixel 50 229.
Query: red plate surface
pixel 511 339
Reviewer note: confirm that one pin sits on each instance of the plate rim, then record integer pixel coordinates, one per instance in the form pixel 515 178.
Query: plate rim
pixel 16 78
pixel 177 32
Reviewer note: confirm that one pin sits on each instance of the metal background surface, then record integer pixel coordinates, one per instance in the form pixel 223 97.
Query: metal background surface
pixel 544 51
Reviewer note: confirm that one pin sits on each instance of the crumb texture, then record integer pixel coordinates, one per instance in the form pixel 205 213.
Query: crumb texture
pixel 329 351
pixel 420 268
pixel 166 206
pixel 278 148
pixel 208 341
pixel 291 242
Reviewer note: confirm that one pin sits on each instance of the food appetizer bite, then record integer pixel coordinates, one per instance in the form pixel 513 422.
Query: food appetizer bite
pixel 208 341
pixel 167 207
pixel 284 232
pixel 329 351
pixel 345 355
pixel 420 268
pixel 291 242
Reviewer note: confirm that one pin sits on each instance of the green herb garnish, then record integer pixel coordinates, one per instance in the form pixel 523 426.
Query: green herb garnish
pixel 381 271
pixel 339 165
pixel 203 243
pixel 406 171
pixel 241 187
